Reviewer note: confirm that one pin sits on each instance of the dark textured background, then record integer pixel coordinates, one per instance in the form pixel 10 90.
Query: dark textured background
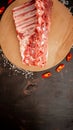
pixel 33 103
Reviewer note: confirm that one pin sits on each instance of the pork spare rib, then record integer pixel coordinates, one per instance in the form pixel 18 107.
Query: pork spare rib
pixel 32 21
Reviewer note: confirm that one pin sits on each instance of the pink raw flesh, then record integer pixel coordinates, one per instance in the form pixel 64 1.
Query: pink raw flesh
pixel 32 22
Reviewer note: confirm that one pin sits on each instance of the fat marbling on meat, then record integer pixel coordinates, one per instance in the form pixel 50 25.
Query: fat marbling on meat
pixel 32 21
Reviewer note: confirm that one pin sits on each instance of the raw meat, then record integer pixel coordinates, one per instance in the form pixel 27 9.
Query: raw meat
pixel 32 22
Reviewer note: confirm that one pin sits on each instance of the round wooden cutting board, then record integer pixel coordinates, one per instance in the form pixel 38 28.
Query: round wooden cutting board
pixel 60 36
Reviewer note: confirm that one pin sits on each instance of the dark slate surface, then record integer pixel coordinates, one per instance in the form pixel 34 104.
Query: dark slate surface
pixel 34 103
pixel 28 102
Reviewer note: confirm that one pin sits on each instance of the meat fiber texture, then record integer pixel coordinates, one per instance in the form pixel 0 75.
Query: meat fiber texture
pixel 32 21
